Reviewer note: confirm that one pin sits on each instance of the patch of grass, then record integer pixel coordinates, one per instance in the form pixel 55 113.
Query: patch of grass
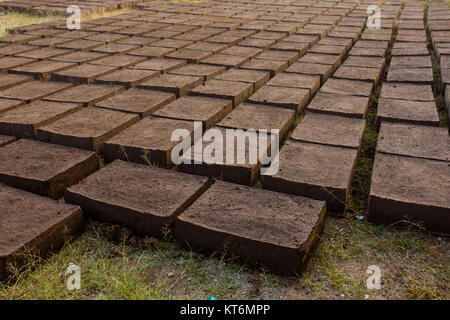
pixel 10 20
pixel 122 265
pixel 15 19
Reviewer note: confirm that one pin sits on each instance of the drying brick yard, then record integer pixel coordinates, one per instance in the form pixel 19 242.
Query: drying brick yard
pixel 361 102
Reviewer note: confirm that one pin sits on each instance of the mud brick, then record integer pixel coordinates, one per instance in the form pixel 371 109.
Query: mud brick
pixel 270 35
pixel 10 80
pixel 25 229
pixel 84 73
pixel 162 65
pixel 207 110
pixel 257 78
pixel 412 75
pixel 258 116
pixel 418 112
pixel 318 58
pixel 406 91
pixel 14 62
pixel 42 69
pixel 119 61
pixel 44 168
pixel 34 90
pixel 9 104
pixel 87 94
pixel 409 49
pixel 80 44
pixel 4 140
pixel 221 39
pixel 359 73
pixel 151 52
pixel 114 48
pixel 315 171
pixel 271 66
pixel 277 55
pixel 410 188
pixel 15 49
pixel 178 84
pixel 368 52
pixel 345 43
pixel 148 141
pixel 243 171
pixel 87 129
pixel 350 87
pixel 18 38
pixel 372 44
pixel 324 71
pixel 241 51
pixel 257 43
pixel 127 77
pixel 285 97
pixel 137 40
pixel 193 56
pixel 22 122
pixel 299 47
pixel 207 46
pixel 172 43
pixel 106 37
pixel 365 62
pixel 330 130
pixel 411 61
pixel 149 205
pixel 299 220
pixel 228 61
pixel 340 104
pixel 80 57
pixel 414 140
pixel 77 34
pixel 43 53
pixel 233 90
pixel 48 42
pixel 295 80
pixel 200 70
pixel 328 49
pixel 140 101
pixel 376 35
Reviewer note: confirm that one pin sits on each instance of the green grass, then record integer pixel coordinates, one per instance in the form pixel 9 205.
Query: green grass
pixel 117 264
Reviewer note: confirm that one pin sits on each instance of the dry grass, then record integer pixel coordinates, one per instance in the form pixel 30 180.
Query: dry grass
pixel 11 20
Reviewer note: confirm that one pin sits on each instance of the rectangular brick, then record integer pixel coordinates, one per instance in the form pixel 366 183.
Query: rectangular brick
pixel 235 91
pixel 285 97
pixel 25 229
pixel 275 233
pixel 44 169
pixel 330 130
pixel 149 205
pixel 148 141
pixel 141 101
pixel 414 141
pixel 418 112
pixel 410 188
pixel 87 94
pixel 34 90
pixel 190 108
pixel 178 84
pixel 87 129
pixel 315 171
pixel 85 73
pixel 22 122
